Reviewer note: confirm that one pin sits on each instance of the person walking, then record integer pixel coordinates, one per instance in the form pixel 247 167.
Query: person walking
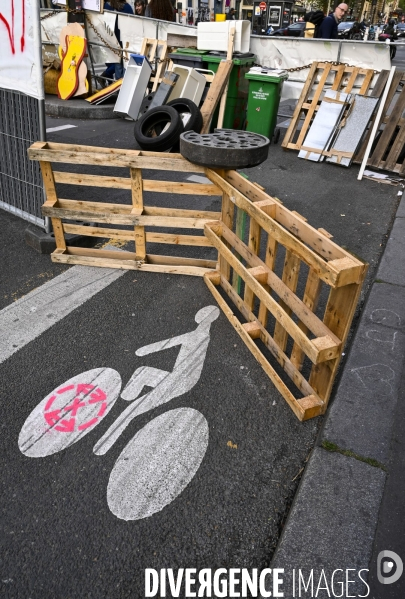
pixel 231 15
pixel 160 9
pixel 328 29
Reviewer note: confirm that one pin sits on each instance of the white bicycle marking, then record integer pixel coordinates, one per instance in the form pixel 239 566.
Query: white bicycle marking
pixel 69 412
pixel 157 464
pixel 163 457
pixel 185 375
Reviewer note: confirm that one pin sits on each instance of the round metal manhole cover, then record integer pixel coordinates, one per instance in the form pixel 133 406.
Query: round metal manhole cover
pixel 225 148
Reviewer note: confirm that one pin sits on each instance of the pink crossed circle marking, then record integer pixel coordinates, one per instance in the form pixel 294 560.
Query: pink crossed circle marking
pixel 55 417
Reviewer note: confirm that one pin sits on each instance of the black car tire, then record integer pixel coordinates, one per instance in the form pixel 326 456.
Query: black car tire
pixel 154 121
pixel 195 122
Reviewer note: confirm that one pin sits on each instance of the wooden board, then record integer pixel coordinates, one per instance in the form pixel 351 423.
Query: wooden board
pixel 215 92
pixel 323 76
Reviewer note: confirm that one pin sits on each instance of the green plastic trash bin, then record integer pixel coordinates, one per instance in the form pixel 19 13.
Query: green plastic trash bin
pixel 238 87
pixel 265 89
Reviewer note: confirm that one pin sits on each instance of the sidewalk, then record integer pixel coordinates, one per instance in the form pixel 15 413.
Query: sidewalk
pixel 349 504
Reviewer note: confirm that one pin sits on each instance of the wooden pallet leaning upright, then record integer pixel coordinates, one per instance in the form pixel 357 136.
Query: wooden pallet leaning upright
pixel 323 76
pixel 137 213
pixel 304 336
pixel 388 151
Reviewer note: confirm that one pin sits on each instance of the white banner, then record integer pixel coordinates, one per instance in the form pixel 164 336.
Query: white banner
pixel 20 43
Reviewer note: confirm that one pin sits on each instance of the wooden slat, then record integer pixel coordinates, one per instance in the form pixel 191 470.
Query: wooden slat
pixel 215 92
pixel 128 158
pixel 366 83
pixel 297 112
pixel 137 204
pixel 150 258
pixel 352 79
pixel 270 261
pixel 127 209
pixel 250 190
pixel 290 276
pixel 340 71
pixel 314 103
pixel 339 312
pixel 128 264
pixel 311 297
pixel 378 89
pixel 127 219
pixel 148 184
pixel 125 235
pixel 227 217
pixel 58 233
pixel 254 246
pixel 49 183
pixel 240 232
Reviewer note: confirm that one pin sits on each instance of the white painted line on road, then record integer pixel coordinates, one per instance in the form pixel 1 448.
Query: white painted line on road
pixel 61 128
pixel 36 312
pixel 198 179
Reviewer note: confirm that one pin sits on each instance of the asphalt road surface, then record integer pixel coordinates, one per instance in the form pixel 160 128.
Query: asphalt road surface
pixel 66 531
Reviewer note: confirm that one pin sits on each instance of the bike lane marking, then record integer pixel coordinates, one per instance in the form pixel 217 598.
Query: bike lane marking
pixel 163 457
pixel 31 315
pixel 166 385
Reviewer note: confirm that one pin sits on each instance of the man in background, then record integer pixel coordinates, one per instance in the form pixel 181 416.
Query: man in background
pixel 328 29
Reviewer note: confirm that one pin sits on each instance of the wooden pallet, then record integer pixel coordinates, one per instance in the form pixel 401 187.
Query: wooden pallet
pixel 305 336
pixel 388 151
pixel 136 214
pixel 323 76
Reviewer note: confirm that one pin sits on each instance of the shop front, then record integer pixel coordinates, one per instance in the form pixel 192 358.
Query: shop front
pixel 263 15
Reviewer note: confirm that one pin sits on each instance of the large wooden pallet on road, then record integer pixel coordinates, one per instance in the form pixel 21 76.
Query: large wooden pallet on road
pixel 298 294
pixel 139 216
pixel 323 76
pixel 388 151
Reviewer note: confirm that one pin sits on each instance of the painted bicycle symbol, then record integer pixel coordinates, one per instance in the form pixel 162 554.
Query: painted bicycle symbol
pixel 162 458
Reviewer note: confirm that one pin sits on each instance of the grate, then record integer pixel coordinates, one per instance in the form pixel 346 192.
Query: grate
pixel 21 189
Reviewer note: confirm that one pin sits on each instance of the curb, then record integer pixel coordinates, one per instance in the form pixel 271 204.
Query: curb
pixel 333 519
pixel 77 108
